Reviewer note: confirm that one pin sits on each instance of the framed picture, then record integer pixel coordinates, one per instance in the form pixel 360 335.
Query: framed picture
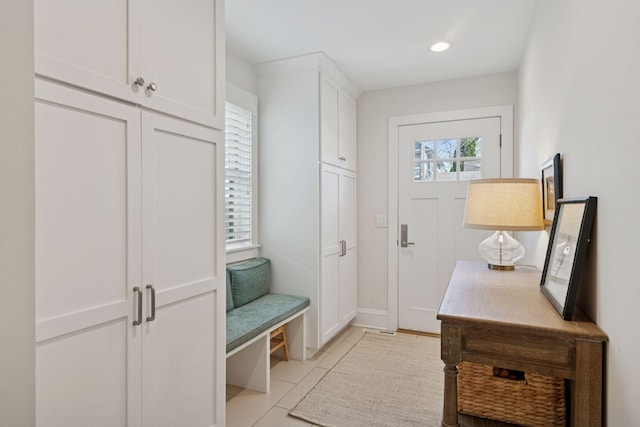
pixel 570 235
pixel 551 187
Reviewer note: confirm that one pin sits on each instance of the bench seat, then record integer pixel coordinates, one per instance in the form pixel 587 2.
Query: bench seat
pixel 252 319
pixel 252 314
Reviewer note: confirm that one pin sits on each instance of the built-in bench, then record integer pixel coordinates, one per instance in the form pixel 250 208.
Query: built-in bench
pixel 253 313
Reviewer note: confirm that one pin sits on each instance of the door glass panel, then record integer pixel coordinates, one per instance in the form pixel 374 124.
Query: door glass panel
pixel 424 150
pixel 455 159
pixel 446 149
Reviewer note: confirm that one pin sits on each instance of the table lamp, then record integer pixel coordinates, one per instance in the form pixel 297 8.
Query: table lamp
pixel 504 204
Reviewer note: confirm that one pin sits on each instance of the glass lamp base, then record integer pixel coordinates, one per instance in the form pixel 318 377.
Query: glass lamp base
pixel 501 251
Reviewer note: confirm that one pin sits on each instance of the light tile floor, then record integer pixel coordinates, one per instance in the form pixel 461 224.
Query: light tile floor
pixel 290 382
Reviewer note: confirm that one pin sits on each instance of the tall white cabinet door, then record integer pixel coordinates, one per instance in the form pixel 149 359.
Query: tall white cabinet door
pixel 88 248
pixel 347 132
pixel 329 113
pixel 183 50
pixel 330 320
pixel 348 279
pixel 183 260
pixel 94 45
pixel 337 125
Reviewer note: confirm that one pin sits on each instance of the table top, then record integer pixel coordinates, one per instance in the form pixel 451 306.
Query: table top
pixel 479 296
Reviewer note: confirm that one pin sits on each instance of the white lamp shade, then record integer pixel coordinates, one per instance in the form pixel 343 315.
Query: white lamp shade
pixel 510 204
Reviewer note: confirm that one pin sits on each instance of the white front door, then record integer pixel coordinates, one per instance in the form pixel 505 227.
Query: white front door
pixel 435 161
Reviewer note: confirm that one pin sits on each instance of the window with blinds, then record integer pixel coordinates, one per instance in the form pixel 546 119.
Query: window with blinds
pixel 238 174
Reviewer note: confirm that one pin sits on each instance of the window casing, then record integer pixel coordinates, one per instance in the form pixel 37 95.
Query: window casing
pixel 241 207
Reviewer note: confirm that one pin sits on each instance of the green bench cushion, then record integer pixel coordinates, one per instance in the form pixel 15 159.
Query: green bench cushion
pixel 229 295
pixel 250 320
pixel 249 280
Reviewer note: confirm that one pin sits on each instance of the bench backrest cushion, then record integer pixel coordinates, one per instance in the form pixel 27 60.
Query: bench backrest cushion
pixel 229 295
pixel 249 280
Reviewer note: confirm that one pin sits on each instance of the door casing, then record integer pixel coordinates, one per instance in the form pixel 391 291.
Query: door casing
pixel 505 112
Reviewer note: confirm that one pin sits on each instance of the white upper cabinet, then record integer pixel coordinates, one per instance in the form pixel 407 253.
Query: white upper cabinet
pixel 347 131
pixel 160 54
pixel 338 124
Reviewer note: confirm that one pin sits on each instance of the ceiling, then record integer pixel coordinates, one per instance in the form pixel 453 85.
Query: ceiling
pixel 384 43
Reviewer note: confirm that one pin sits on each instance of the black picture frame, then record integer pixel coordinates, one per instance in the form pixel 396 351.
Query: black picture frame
pixel 551 187
pixel 566 252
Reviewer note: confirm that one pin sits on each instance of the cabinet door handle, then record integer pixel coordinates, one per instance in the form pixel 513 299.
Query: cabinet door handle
pixel 343 158
pixel 153 303
pixel 343 247
pixel 138 320
pixel 152 87
pixel 139 81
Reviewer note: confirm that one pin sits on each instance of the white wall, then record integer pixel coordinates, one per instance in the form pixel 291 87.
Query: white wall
pixel 240 73
pixel 580 95
pixel 374 110
pixel 17 210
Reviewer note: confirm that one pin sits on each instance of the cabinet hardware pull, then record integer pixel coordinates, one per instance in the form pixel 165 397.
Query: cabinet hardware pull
pixel 343 247
pixel 343 158
pixel 153 303
pixel 138 321
pixel 139 81
pixel 152 87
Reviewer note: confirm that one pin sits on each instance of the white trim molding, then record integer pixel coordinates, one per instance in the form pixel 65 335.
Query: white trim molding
pixel 505 112
pixel 371 318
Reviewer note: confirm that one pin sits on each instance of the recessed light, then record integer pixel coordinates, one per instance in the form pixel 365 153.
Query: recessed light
pixel 440 46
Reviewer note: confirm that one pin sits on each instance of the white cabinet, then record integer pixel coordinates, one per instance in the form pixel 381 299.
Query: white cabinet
pixel 183 257
pixel 337 124
pixel 307 205
pixel 88 246
pixel 129 272
pixel 338 249
pixel 173 53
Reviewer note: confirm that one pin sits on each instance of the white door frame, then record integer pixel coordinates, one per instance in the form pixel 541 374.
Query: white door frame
pixel 505 112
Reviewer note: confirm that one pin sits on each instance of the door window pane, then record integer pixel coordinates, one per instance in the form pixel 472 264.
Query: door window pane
pixel 424 150
pixel 447 149
pixel 455 159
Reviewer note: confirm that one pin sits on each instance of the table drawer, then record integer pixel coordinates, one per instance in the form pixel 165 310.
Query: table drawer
pixel 526 347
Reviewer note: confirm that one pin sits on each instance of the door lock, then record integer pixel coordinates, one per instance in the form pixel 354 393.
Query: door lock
pixel 404 231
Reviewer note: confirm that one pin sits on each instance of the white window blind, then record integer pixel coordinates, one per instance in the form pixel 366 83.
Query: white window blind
pixel 238 174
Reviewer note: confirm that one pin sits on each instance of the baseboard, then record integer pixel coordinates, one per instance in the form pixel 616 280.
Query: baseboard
pixel 371 318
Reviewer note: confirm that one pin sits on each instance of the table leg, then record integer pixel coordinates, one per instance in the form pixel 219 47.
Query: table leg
pixel 450 410
pixel 587 399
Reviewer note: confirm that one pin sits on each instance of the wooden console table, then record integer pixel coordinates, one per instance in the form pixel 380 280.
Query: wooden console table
pixel 500 318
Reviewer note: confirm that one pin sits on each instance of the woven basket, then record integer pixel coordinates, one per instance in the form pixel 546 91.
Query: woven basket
pixel 536 401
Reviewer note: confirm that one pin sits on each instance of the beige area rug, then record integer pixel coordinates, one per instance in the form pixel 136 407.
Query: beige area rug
pixel 384 380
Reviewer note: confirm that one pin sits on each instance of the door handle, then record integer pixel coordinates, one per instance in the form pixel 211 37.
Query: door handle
pixel 404 232
pixel 343 247
pixel 138 291
pixel 153 303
